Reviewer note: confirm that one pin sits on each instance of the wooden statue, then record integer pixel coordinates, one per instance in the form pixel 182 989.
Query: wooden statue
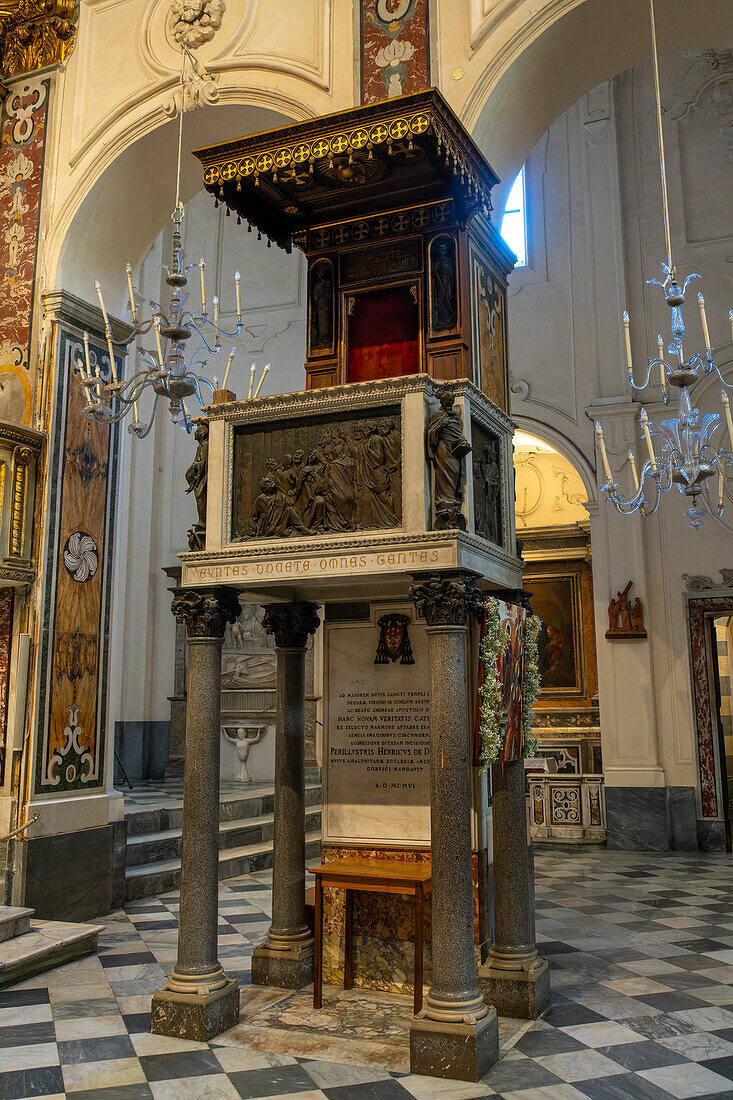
pixel 624 619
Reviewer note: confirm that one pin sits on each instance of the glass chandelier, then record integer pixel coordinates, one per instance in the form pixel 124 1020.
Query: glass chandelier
pixel 170 370
pixel 690 448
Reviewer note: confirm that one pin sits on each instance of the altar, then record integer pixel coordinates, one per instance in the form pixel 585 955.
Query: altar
pixel 372 513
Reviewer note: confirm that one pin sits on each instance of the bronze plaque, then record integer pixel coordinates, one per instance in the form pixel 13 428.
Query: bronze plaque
pixel 486 464
pixel 316 475
pixel 381 261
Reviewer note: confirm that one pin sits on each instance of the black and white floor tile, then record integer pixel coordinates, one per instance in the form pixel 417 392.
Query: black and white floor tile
pixel 641 950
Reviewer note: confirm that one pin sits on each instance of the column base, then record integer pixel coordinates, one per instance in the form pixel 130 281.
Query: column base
pixel 522 994
pixel 462 1052
pixel 195 1016
pixel 289 967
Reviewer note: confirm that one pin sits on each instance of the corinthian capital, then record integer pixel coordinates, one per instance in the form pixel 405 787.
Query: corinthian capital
pixel 447 599
pixel 291 624
pixel 206 612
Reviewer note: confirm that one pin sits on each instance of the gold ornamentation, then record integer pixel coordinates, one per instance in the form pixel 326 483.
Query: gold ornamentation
pixel 17 524
pixel 35 33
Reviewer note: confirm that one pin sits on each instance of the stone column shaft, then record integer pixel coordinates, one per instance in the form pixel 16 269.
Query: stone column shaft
pixel 456 1034
pixel 515 979
pixel 199 1001
pixel 286 956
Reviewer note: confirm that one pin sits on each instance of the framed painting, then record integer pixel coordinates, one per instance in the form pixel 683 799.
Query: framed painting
pixel 556 600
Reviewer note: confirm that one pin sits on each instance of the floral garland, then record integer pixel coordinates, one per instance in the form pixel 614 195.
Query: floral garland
pixel 490 652
pixel 530 683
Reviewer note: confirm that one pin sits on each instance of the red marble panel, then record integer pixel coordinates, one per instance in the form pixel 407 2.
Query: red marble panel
pixel 395 49
pixel 699 609
pixel 22 146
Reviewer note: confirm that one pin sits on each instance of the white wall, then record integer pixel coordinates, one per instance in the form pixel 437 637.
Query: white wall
pixel 154 511
pixel 595 236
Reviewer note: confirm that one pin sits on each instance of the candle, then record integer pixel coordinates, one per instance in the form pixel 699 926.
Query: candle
pixel 604 456
pixel 662 372
pixel 134 409
pixel 262 379
pixel 703 318
pixel 111 350
pixel 252 370
pixel 232 353
pixel 729 422
pixel 644 420
pixel 632 463
pixel 128 269
pixel 86 356
pixel 216 309
pixel 627 338
pixel 101 304
pixel 721 487
pixel 202 265
pixel 237 278
pixel 730 318
pixel 156 326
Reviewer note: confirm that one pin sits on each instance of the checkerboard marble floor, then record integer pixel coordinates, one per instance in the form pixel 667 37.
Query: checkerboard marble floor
pixel 641 950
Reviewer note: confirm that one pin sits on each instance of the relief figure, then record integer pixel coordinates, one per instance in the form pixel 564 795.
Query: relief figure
pixel 443 281
pixel 197 476
pixel 349 480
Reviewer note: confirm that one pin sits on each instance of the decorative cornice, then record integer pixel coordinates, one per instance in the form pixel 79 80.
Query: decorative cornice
pixel 697 582
pixel 206 612
pixel 447 600
pixel 60 306
pixel 13 435
pixel 35 34
pixel 353 395
pixel 291 624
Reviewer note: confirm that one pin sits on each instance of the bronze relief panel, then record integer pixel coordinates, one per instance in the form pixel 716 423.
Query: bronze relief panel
pixel 318 475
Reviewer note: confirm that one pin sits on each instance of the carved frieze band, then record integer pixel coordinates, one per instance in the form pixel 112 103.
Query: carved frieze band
pixel 207 612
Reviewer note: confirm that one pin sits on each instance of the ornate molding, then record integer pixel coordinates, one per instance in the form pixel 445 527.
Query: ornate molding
pixel 698 582
pixel 447 600
pixel 291 624
pixel 206 612
pixel 193 22
pixel 35 33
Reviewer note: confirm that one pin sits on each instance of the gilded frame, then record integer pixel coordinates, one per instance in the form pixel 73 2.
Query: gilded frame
pixel 570 626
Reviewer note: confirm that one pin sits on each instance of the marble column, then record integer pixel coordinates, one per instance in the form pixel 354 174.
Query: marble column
pixel 286 956
pixel 456 1034
pixel 199 1001
pixel 514 978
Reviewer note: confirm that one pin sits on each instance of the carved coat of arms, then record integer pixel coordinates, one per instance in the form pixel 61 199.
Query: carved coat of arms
pixel 394 640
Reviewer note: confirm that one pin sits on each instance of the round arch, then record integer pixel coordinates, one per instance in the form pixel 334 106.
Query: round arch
pixel 558 53
pixel 565 447
pixel 119 214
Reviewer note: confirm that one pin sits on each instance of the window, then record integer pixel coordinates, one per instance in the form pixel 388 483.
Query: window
pixel 514 222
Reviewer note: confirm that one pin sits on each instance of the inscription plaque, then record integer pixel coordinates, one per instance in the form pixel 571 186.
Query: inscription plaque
pixel 377 744
pixel 381 260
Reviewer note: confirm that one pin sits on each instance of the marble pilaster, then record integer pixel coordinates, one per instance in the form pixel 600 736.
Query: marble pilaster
pixel 456 1034
pixel 286 956
pixel 199 1001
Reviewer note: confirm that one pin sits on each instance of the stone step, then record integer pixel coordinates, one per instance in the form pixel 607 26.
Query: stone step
pixel 14 921
pixel 49 943
pixel 254 804
pixel 147 848
pixel 149 879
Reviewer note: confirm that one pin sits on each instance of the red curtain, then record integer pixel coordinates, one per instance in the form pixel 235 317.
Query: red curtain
pixel 383 336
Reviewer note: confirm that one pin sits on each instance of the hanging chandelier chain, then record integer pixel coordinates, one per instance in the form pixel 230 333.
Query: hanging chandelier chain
pixel 660 135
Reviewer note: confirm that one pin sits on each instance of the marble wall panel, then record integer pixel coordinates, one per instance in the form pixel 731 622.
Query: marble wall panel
pixel 395 48
pixel 22 148
pixel 6 637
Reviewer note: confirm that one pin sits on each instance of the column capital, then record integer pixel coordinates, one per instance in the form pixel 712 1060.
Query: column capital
pixel 206 611
pixel 446 599
pixel 291 624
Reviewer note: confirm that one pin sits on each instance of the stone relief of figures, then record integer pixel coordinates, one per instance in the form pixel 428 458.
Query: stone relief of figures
pixel 446 447
pixel 248 656
pixel 321 307
pixel 197 477
pixel 345 477
pixel 486 486
pixel 625 620
pixel 443 283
